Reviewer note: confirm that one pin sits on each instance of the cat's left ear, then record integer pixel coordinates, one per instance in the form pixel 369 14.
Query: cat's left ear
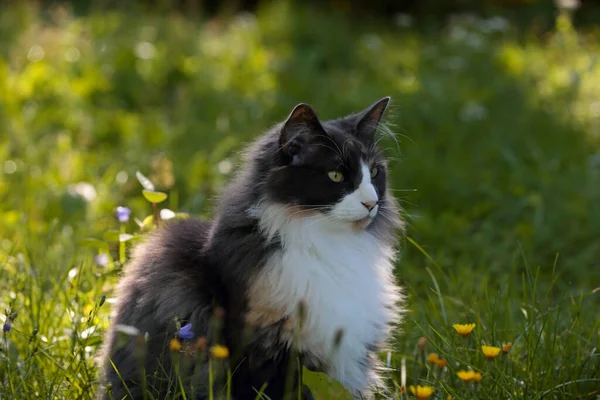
pixel 369 119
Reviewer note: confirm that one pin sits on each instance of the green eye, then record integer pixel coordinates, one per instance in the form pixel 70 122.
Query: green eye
pixel 335 176
pixel 374 172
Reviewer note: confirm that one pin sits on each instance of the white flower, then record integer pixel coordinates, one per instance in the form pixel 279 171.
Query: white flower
pixel 495 24
pixel 474 41
pixel 403 20
pixel 371 41
pixel 473 111
pixel 246 20
pixel 10 167
pixel 145 50
pixel 567 4
pixel 458 33
pixel 165 214
pixel 36 53
pixel 83 189
pixel 595 160
pixel 453 63
pixel 225 166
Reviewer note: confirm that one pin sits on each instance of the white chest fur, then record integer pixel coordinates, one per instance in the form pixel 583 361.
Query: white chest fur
pixel 343 277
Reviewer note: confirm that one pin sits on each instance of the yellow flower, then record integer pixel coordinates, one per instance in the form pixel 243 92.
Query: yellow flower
pixel 433 358
pixel 87 309
pixel 465 376
pixel 491 351
pixel 469 375
pixel 219 351
pixel 464 329
pixel 201 343
pixel 506 348
pixel 422 392
pixel 441 363
pixel 174 345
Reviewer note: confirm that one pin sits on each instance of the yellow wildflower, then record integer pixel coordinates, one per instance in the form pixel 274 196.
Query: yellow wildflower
pixel 469 375
pixel 422 392
pixel 174 345
pixel 491 351
pixel 201 343
pixel 506 348
pixel 433 358
pixel 441 363
pixel 87 309
pixel 219 351
pixel 464 329
pixel 465 376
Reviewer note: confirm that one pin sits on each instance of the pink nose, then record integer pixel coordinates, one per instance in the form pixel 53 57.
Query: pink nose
pixel 369 205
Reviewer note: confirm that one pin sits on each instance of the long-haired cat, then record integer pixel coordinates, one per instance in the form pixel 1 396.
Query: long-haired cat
pixel 295 268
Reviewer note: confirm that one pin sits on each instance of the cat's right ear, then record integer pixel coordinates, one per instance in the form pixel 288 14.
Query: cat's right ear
pixel 301 123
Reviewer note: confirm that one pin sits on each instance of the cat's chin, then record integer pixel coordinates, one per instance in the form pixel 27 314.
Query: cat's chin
pixel 362 223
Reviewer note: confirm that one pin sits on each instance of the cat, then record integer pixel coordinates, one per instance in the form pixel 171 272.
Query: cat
pixel 294 271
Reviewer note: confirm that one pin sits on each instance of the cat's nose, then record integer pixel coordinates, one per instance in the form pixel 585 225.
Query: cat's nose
pixel 369 205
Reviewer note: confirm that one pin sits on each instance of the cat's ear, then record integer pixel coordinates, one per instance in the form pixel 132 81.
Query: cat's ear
pixel 299 126
pixel 369 119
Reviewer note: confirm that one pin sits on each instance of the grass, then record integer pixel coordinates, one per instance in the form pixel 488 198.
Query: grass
pixel 497 169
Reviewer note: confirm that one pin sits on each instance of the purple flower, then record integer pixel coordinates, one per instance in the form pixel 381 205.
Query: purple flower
pixel 6 327
pixel 101 260
pixel 123 214
pixel 185 332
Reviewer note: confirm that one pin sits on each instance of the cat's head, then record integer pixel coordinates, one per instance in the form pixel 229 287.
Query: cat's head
pixel 332 167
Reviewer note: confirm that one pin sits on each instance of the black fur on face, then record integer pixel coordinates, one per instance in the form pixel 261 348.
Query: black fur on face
pixel 307 150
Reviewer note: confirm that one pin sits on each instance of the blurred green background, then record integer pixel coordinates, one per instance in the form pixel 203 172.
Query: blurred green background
pixel 496 105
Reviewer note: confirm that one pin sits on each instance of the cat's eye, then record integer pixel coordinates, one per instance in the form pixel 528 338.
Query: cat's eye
pixel 374 172
pixel 335 176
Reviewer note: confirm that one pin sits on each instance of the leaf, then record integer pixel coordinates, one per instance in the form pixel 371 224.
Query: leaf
pixel 94 243
pixel 111 235
pixel 124 237
pixel 145 182
pixel 148 221
pixel 91 341
pixel 154 197
pixel 321 383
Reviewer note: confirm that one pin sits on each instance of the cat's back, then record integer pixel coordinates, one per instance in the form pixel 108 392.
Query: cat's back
pixel 176 246
pixel 169 264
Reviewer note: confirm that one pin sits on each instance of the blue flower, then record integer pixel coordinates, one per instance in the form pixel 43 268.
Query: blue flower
pixel 185 332
pixel 123 214
pixel 6 327
pixel 101 260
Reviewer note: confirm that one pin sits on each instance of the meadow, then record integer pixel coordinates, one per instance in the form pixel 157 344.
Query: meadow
pixel 496 165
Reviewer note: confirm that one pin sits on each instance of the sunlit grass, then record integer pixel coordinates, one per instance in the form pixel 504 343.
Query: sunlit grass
pixel 495 170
